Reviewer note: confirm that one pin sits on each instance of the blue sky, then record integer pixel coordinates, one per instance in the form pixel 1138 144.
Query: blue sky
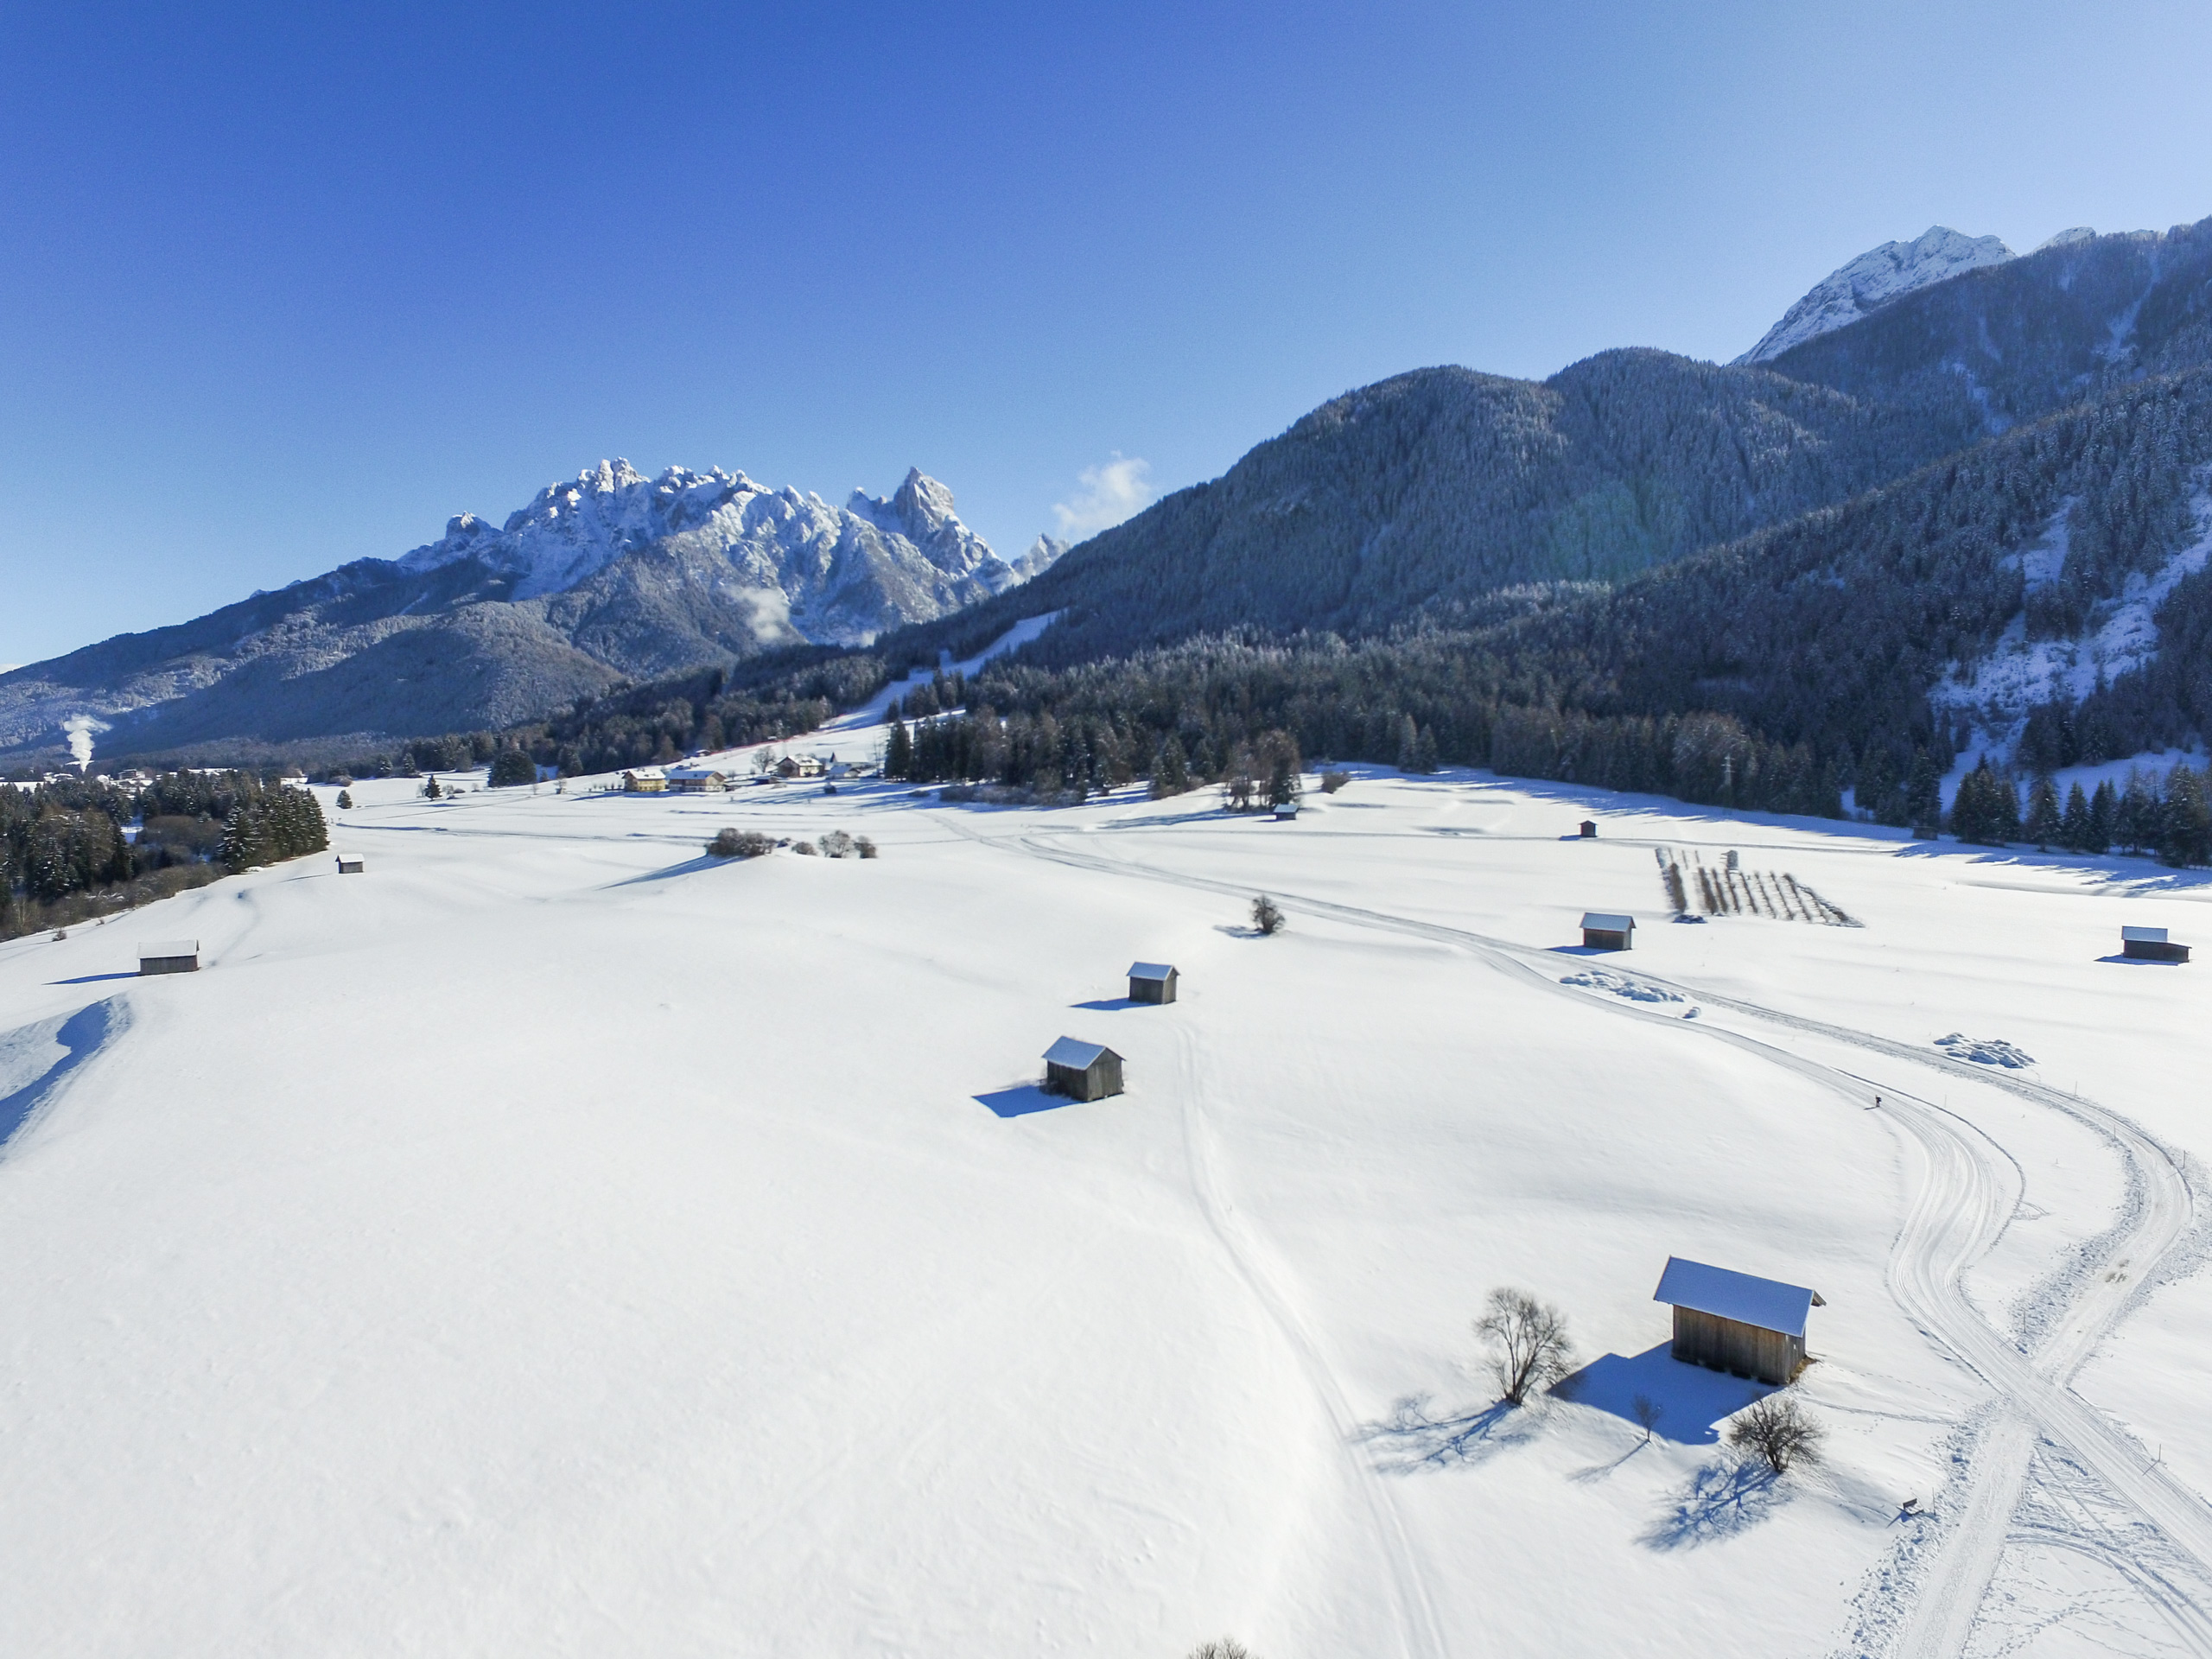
pixel 283 288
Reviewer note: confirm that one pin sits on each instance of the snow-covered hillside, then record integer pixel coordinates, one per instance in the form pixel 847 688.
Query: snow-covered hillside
pixel 1995 691
pixel 1875 278
pixel 553 1241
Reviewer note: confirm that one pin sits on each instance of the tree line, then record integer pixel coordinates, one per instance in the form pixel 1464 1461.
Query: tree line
pixel 65 856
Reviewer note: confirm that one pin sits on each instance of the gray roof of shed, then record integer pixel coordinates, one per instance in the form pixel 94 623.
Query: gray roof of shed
pixel 1071 1050
pixel 168 948
pixel 2146 935
pixel 1606 922
pixel 1150 970
pixel 1767 1303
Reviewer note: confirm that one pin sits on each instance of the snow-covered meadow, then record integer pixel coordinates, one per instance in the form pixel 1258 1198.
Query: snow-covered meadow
pixel 553 1240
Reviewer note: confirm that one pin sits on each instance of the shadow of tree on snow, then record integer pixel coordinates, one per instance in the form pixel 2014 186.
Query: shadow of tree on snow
pixel 1722 1500
pixel 1413 1439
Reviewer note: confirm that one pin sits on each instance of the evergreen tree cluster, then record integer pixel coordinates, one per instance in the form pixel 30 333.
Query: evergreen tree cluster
pixel 271 826
pixel 65 854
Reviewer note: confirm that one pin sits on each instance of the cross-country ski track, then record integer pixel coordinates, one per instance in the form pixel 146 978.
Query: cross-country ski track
pixel 1961 1203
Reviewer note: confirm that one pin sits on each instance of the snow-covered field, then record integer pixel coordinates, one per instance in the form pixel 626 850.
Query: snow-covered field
pixel 554 1242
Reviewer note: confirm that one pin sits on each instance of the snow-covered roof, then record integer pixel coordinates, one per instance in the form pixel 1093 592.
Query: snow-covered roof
pixel 696 772
pixel 1767 1303
pixel 168 948
pixel 1603 921
pixel 1150 970
pixel 2144 935
pixel 1070 1051
pixel 645 772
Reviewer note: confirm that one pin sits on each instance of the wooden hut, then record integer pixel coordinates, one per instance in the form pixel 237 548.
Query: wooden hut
pixel 348 866
pixel 1589 829
pixel 1152 982
pixel 1604 930
pixel 1082 1070
pixel 1285 811
pixel 1729 1321
pixel 2151 944
pixel 169 957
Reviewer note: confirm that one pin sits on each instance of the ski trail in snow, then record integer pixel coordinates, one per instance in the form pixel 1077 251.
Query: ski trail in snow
pixel 1952 1222
pixel 1420 1630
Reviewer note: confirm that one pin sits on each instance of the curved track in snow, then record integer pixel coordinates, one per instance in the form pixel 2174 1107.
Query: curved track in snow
pixel 1963 1197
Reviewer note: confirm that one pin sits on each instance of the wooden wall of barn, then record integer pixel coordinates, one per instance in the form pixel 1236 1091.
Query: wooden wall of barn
pixel 1731 1345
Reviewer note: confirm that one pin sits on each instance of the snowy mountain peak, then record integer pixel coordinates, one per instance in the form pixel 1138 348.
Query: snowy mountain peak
pixel 2069 238
pixel 921 510
pixel 1873 280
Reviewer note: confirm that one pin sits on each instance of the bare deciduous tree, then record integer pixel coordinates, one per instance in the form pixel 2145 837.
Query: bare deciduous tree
pixel 1530 1350
pixel 1778 1431
pixel 1648 1413
pixel 1265 917
pixel 1227 1648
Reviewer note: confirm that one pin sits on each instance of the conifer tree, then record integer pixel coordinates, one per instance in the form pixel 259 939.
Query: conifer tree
pixel 2045 820
pixel 2074 829
pixel 2104 816
pixel 1924 794
pixel 1171 773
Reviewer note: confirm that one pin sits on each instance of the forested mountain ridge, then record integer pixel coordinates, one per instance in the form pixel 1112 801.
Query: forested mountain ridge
pixel 1774 672
pixel 1429 491
pixel 1420 495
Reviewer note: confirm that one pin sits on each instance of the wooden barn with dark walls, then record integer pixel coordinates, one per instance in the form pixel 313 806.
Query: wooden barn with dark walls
pixel 1734 1322
pixel 1285 811
pixel 1604 930
pixel 169 957
pixel 1082 1070
pixel 1152 982
pixel 348 866
pixel 2151 944
pixel 1589 829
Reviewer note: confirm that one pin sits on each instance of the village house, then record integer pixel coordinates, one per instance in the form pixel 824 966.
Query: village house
pixel 696 780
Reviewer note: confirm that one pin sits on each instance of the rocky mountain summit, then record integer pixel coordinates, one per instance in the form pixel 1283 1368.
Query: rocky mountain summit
pixel 607 576
pixel 1877 277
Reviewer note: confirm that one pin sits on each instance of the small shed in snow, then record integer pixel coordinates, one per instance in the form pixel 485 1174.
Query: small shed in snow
pixel 1082 1070
pixel 1589 829
pixel 645 780
pixel 1285 811
pixel 1152 982
pixel 2151 944
pixel 348 866
pixel 1604 930
pixel 1729 1321
pixel 169 957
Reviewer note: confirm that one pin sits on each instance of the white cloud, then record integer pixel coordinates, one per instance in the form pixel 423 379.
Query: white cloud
pixel 1110 491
